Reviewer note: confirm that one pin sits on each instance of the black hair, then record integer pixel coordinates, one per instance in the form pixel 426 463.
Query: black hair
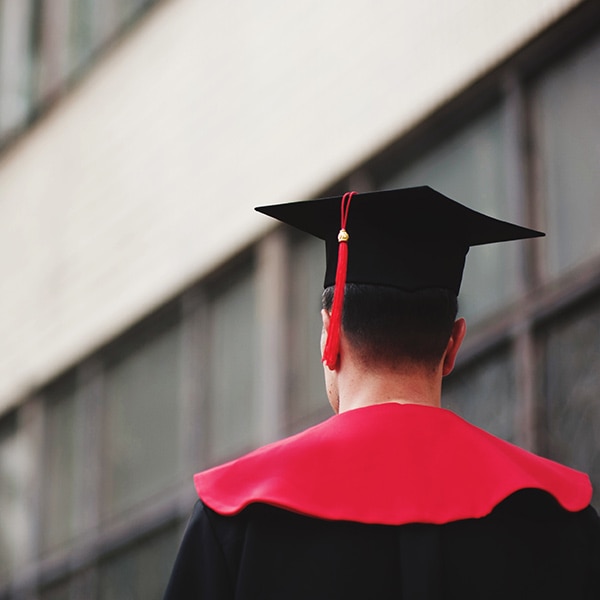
pixel 389 326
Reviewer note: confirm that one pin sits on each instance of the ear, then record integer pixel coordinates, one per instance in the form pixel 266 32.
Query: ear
pixel 459 329
pixel 326 317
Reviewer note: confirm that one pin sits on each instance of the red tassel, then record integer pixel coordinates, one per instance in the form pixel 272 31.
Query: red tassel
pixel 332 346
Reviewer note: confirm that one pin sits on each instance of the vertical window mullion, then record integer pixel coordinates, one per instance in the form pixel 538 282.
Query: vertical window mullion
pixel 272 287
pixel 53 49
pixel 517 167
pixel 193 449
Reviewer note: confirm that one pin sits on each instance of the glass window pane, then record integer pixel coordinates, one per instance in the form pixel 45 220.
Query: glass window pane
pixel 571 371
pixel 15 64
pixel 58 508
pixel 567 107
pixel 16 464
pixel 81 34
pixel 143 422
pixel 484 393
pixel 232 365
pixel 140 572
pixel 308 400
pixel 470 168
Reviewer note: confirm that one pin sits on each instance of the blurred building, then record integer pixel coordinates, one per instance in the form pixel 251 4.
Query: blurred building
pixel 151 324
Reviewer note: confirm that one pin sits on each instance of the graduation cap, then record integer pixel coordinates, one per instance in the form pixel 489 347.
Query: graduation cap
pixel 411 239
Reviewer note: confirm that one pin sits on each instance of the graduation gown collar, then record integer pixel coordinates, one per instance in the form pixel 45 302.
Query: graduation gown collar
pixel 389 464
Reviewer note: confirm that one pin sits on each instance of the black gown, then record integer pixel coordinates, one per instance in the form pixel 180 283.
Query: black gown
pixel 527 548
pixel 393 501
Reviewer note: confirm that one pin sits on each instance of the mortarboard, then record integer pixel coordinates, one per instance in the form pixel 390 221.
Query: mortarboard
pixel 412 238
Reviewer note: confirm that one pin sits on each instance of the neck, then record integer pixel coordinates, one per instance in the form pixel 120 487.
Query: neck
pixel 360 387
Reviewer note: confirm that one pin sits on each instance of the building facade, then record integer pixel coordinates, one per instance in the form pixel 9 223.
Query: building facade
pixel 152 325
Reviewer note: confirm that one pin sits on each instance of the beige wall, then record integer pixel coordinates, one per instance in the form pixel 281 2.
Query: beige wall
pixel 143 178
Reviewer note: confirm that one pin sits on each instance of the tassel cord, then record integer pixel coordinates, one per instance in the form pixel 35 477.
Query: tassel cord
pixel 332 346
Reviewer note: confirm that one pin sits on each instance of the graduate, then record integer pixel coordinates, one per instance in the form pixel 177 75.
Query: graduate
pixel 393 496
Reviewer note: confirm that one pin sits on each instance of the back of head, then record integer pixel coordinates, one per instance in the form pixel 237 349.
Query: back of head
pixel 388 327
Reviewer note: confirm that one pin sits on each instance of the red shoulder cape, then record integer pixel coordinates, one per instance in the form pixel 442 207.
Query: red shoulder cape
pixel 389 464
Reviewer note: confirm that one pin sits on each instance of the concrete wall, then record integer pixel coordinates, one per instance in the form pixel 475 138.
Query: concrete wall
pixel 143 178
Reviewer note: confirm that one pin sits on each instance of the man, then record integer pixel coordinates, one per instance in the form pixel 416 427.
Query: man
pixel 393 497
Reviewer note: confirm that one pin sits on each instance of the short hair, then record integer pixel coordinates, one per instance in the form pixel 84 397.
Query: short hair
pixel 389 326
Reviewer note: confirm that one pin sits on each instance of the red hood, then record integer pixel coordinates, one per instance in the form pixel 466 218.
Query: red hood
pixel 389 464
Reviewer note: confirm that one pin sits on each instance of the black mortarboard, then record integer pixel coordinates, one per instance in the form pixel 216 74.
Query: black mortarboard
pixel 411 238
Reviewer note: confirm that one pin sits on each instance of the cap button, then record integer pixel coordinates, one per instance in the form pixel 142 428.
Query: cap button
pixel 343 236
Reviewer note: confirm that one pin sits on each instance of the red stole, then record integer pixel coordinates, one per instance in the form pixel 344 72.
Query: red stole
pixel 389 464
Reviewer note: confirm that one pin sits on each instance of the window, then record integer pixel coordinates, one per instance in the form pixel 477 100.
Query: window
pixel 60 457
pixel 308 400
pixel 570 369
pixel 83 34
pixel 15 64
pixel 566 105
pixel 142 422
pixel 16 464
pixel 232 363
pixel 470 168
